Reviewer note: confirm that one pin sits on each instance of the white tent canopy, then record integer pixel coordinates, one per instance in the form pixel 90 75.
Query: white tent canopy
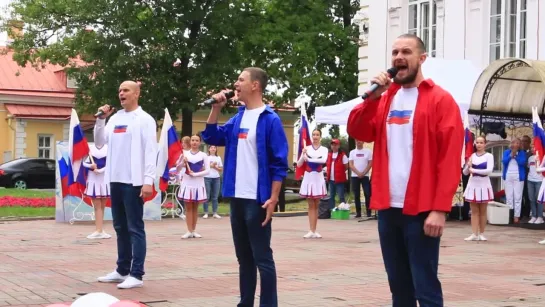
pixel 456 76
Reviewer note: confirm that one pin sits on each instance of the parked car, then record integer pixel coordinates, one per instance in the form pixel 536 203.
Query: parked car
pixel 291 183
pixel 25 173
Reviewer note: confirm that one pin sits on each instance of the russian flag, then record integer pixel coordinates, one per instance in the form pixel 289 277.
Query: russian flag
pixel 304 140
pixel 64 171
pixel 469 139
pixel 170 149
pixel 539 135
pixel 78 149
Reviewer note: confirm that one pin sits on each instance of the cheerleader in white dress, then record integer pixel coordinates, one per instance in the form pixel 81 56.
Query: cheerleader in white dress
pixel 479 189
pixel 96 188
pixel 192 188
pixel 313 186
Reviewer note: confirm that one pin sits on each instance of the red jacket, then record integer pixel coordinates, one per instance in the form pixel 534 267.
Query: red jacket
pixel 438 137
pixel 340 167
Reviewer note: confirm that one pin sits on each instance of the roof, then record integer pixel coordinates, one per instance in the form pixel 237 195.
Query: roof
pixel 38 112
pixel 510 87
pixel 26 80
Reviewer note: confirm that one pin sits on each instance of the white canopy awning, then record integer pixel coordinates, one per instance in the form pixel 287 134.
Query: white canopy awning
pixel 456 76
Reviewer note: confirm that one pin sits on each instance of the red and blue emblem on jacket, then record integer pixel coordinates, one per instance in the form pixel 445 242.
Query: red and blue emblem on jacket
pixel 120 129
pixel 243 133
pixel 398 117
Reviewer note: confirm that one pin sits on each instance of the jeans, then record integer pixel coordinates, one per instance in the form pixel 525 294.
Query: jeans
pixel 212 191
pixel 533 191
pixel 364 183
pixel 334 189
pixel 411 259
pixel 253 250
pixel 128 220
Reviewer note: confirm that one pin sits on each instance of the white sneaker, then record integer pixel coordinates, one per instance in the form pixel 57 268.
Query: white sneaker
pixel 309 235
pixel 187 235
pixel 472 237
pixel 113 277
pixel 317 235
pixel 104 235
pixel 482 238
pixel 182 216
pixel 94 235
pixel 130 283
pixel 542 242
pixel 532 220
pixel 205 216
pixel 539 220
pixel 196 235
pixel 217 216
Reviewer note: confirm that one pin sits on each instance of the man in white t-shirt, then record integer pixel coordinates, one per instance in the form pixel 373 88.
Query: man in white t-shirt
pixel 131 135
pixel 360 162
pixel 418 135
pixel 256 163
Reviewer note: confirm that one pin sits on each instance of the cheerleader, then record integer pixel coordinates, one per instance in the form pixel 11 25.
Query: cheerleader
pixel 96 188
pixel 313 187
pixel 192 188
pixel 479 189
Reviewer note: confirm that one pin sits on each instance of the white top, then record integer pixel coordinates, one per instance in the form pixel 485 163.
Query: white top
pixel 197 162
pixel 318 155
pixel 132 147
pixel 361 158
pixel 399 132
pixel 246 170
pixel 333 157
pixel 214 172
pixel 482 165
pixel 533 175
pixel 513 167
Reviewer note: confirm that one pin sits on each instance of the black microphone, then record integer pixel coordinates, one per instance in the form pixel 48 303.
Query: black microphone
pixel 100 113
pixel 392 72
pixel 211 101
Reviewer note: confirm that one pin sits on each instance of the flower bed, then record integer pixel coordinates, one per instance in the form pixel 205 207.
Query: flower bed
pixel 32 202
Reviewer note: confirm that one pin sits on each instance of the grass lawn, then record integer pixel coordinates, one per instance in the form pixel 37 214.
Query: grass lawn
pixel 26 193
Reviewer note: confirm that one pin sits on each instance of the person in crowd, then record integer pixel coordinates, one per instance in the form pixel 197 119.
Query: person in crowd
pixel 360 162
pixel 212 182
pixel 479 189
pixel 337 164
pixel 313 186
pixel 96 188
pixel 514 174
pixel 535 179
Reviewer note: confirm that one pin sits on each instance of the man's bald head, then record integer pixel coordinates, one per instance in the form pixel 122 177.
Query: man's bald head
pixel 129 91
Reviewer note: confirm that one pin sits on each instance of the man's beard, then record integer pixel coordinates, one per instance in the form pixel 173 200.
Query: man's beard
pixel 409 78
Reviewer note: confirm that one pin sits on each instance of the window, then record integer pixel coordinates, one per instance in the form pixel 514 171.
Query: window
pixel 507 29
pixel 423 22
pixel 44 146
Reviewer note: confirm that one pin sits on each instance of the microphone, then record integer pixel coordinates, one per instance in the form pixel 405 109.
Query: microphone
pixel 211 101
pixel 392 72
pixel 100 113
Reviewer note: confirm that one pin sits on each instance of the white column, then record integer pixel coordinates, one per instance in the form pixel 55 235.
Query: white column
pixel 541 37
pixel 440 29
pixel 532 31
pixel 20 138
pixel 378 39
pixel 452 39
pixel 477 39
pixel 363 51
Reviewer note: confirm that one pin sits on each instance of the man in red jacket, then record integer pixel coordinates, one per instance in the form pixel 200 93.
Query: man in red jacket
pixel 418 135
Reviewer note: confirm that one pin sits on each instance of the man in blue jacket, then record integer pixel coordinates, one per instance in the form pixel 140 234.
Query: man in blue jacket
pixel 255 165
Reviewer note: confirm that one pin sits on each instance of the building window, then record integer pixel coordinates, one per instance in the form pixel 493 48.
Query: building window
pixel 423 23
pixel 44 146
pixel 507 29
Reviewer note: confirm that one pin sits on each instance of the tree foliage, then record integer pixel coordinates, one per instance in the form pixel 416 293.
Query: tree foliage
pixel 306 47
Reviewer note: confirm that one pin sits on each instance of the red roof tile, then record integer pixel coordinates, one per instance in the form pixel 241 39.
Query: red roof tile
pixel 38 112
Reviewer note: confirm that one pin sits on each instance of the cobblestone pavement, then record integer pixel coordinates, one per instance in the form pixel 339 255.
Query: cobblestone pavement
pixel 42 262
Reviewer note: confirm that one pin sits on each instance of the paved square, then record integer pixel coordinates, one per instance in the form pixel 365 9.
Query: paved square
pixel 42 262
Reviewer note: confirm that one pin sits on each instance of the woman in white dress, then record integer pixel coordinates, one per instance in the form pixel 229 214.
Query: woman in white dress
pixel 96 188
pixel 192 188
pixel 479 189
pixel 313 186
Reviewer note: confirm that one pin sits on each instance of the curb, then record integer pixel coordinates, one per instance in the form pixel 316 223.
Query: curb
pixel 23 219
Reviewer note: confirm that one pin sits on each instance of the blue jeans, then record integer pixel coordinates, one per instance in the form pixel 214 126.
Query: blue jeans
pixel 364 183
pixel 334 189
pixel 253 250
pixel 212 191
pixel 533 191
pixel 128 220
pixel 411 259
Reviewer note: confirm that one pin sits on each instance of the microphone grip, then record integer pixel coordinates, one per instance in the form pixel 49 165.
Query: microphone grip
pixel 370 91
pixel 100 113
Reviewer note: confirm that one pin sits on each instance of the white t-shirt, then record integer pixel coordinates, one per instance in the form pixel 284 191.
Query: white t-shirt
pixel 333 158
pixel 246 172
pixel 532 174
pixel 399 130
pixel 120 143
pixel 361 158
pixel 213 172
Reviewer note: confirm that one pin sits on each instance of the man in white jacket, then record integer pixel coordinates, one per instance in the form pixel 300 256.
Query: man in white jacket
pixel 131 135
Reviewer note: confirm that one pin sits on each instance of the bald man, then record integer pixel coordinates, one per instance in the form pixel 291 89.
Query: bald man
pixel 131 135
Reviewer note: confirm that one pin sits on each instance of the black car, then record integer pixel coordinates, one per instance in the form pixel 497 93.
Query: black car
pixel 27 173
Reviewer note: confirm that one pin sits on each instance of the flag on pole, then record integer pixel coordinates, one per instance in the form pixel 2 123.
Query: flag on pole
pixel 170 149
pixel 539 135
pixel 304 140
pixel 469 139
pixel 78 150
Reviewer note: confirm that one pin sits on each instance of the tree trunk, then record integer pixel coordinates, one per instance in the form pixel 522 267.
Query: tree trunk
pixel 187 122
